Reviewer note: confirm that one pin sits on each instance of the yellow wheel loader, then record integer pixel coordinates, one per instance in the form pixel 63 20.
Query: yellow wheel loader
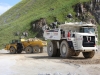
pixel 31 45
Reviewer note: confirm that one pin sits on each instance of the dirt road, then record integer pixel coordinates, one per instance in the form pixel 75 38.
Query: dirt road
pixel 41 64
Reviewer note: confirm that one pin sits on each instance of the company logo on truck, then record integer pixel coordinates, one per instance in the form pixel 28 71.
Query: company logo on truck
pixel 88 38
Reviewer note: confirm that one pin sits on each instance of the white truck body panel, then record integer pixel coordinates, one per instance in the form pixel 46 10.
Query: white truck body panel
pixel 53 34
pixel 77 40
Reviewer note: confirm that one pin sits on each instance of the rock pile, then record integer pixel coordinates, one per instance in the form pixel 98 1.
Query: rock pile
pixel 86 9
pixel 38 25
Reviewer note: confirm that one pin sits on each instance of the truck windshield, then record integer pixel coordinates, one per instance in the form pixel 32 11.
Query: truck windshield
pixel 87 30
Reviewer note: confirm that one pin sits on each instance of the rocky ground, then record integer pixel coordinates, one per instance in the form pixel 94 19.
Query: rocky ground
pixel 41 64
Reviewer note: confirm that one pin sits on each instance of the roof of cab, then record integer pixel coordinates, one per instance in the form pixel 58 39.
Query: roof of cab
pixel 77 24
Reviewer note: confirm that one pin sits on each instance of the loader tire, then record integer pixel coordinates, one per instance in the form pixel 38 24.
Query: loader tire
pixel 51 48
pixel 36 49
pixel 12 50
pixel 88 54
pixel 41 50
pixel 19 51
pixel 28 49
pixel 65 51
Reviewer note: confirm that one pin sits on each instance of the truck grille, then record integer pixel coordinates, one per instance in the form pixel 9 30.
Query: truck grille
pixel 88 41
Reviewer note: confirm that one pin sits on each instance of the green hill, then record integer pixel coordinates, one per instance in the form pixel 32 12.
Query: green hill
pixel 19 17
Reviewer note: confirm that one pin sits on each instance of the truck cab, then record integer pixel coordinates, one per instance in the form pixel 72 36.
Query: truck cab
pixel 86 39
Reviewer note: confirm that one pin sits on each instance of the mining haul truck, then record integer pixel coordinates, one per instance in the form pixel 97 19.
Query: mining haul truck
pixel 70 39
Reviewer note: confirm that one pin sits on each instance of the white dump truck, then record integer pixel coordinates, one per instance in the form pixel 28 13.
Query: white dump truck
pixel 70 39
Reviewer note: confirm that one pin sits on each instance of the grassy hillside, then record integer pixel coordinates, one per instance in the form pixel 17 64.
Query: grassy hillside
pixel 19 17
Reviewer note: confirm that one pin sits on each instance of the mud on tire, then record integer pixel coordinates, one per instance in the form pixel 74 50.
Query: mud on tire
pixel 76 53
pixel 51 48
pixel 12 50
pixel 36 49
pixel 88 54
pixel 65 51
pixel 28 49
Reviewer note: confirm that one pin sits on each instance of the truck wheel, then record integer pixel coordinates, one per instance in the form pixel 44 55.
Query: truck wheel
pixel 41 50
pixel 36 49
pixel 65 51
pixel 88 54
pixel 76 54
pixel 58 53
pixel 28 49
pixel 51 48
pixel 12 50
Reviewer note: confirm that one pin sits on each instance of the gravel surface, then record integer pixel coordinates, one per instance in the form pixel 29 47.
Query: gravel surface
pixel 41 64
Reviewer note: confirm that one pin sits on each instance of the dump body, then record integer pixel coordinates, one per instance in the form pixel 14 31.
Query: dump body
pixel 34 42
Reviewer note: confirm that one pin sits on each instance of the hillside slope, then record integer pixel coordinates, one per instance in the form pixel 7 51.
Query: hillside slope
pixel 19 17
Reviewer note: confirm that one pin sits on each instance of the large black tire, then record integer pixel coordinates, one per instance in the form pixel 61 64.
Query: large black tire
pixel 58 53
pixel 12 50
pixel 28 49
pixel 41 50
pixel 65 51
pixel 51 48
pixel 76 53
pixel 36 49
pixel 19 47
pixel 19 50
pixel 88 54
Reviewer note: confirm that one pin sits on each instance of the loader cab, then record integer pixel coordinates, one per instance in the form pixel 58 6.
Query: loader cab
pixel 15 41
pixel 87 30
pixel 18 44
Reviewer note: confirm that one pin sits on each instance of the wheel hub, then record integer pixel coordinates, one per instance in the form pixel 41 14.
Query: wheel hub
pixel 35 50
pixel 64 49
pixel 11 50
pixel 28 50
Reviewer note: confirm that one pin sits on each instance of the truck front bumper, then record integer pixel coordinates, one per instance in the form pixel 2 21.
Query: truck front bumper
pixel 88 49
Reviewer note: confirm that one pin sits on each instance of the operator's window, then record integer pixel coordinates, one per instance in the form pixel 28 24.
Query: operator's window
pixel 87 30
pixel 92 30
pixel 13 41
pixel 81 30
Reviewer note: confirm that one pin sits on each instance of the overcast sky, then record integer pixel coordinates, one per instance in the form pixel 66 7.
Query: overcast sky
pixel 7 4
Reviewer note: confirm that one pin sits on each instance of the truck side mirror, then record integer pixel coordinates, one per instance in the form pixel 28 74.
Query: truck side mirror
pixel 96 35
